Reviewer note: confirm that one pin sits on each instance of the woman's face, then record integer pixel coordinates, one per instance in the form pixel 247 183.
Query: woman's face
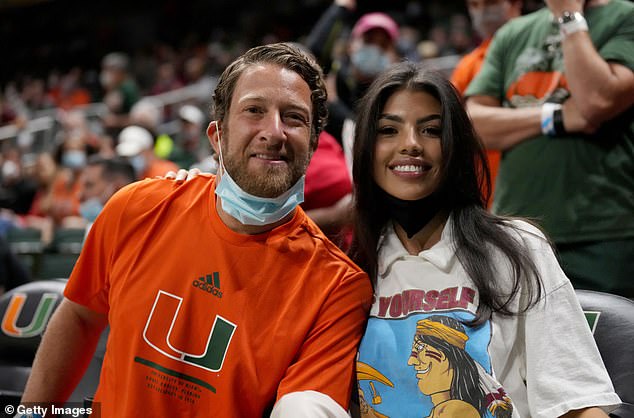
pixel 408 158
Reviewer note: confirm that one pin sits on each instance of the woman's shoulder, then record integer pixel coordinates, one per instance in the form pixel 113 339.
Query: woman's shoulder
pixel 527 231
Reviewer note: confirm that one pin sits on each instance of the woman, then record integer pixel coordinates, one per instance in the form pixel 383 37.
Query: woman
pixel 432 250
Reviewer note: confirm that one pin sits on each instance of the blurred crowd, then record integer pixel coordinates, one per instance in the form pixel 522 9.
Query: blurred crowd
pixel 150 111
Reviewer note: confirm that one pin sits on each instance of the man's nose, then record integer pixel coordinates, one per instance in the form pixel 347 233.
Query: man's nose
pixel 274 129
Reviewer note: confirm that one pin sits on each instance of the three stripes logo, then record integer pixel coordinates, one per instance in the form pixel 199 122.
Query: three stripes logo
pixel 210 284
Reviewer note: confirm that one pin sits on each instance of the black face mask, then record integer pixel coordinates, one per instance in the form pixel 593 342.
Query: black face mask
pixel 413 215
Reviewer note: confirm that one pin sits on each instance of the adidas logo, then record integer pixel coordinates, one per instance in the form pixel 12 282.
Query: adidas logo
pixel 209 284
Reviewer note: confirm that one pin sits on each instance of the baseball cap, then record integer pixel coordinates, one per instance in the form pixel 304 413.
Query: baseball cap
pixel 133 140
pixel 115 60
pixel 376 20
pixel 191 114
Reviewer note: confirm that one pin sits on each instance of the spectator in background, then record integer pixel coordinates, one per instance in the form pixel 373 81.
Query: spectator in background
pixel 120 91
pixel 555 94
pixel 45 174
pixel 12 272
pixel 69 93
pixel 370 49
pixel 34 95
pixel 189 144
pixel 137 145
pixel 7 113
pixel 487 16
pixel 17 184
pixel 101 178
pixel 166 79
pixel 62 202
pixel 148 113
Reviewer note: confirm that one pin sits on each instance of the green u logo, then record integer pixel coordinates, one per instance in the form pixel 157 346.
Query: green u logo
pixel 161 322
pixel 39 320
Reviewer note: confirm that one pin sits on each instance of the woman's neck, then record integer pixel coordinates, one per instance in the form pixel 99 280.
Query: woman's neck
pixel 426 238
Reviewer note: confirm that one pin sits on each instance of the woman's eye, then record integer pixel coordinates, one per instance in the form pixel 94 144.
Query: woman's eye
pixel 433 131
pixel 386 130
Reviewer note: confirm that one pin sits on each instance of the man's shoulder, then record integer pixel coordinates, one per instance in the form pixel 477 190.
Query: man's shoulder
pixel 145 195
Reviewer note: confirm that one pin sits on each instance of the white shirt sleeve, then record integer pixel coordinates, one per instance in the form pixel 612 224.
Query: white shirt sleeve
pixel 564 370
pixel 307 404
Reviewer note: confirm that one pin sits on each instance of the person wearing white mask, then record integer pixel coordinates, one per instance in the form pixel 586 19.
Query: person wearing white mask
pixel 223 298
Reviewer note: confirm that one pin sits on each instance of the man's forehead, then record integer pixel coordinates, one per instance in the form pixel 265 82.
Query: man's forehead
pixel 264 81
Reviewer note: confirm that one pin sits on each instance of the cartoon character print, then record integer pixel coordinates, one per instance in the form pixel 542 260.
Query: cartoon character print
pixel 438 377
pixel 444 370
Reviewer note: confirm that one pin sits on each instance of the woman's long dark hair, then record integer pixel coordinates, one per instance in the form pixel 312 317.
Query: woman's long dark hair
pixel 464 177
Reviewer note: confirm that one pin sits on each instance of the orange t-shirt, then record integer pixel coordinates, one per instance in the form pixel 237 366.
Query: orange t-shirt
pixel 208 322
pixel 462 75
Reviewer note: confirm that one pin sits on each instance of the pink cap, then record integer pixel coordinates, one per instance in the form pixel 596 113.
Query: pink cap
pixel 376 20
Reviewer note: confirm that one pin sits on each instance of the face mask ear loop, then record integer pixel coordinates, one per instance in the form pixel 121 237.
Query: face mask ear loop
pixel 222 164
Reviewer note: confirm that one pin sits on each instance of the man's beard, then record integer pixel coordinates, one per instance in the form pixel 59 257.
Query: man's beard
pixel 275 180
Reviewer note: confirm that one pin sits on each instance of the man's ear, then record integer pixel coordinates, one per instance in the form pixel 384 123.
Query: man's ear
pixel 213 134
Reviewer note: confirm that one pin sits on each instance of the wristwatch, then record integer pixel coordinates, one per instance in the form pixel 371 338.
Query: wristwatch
pixel 571 22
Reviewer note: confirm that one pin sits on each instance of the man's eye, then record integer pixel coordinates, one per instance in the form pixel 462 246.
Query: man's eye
pixel 253 109
pixel 296 118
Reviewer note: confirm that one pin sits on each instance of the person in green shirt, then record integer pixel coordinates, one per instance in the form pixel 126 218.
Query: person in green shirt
pixel 555 95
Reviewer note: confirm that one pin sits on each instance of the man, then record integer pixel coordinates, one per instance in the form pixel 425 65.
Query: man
pixel 137 145
pixel 101 178
pixel 487 16
pixel 223 298
pixel 188 147
pixel 120 90
pixel 555 94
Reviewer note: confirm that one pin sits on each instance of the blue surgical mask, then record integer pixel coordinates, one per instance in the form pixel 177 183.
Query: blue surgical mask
pixel 370 60
pixel 255 210
pixel 74 159
pixel 90 209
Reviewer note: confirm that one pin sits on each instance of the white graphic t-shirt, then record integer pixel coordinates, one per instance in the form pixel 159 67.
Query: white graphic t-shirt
pixel 421 358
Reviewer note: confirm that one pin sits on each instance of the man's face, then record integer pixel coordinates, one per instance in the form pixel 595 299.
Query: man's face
pixel 94 184
pixel 487 16
pixel 266 137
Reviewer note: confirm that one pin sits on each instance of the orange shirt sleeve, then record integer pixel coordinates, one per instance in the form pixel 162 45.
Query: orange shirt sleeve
pixel 325 362
pixel 89 282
